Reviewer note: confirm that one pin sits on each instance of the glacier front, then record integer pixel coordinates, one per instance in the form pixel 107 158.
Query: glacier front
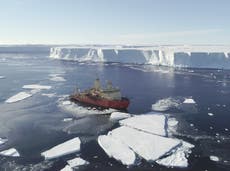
pixel 173 56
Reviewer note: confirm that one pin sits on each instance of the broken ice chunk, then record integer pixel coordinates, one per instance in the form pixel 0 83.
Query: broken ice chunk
pixel 18 97
pixel 36 86
pixel 10 152
pixel 154 124
pixel 116 149
pixel 119 115
pixel 149 146
pixel 189 101
pixel 178 157
pixel 77 162
pixel 68 147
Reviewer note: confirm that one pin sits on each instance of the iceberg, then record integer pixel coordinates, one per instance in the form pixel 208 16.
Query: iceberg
pixel 18 97
pixel 12 152
pixel 115 116
pixel 150 123
pixel 36 87
pixel 116 149
pixel 172 56
pixel 68 147
pixel 148 146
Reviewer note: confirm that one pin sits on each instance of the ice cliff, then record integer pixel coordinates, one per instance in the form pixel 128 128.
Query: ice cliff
pixel 173 56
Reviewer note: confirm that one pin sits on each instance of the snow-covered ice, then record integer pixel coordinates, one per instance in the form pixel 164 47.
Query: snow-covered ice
pixel 68 147
pixel 210 114
pixel 10 152
pixel 49 94
pixel 173 56
pixel 67 168
pixel 116 149
pixel 165 104
pixel 67 119
pixel 148 146
pixel 115 116
pixel 36 86
pixel 2 141
pixel 214 158
pixel 77 162
pixel 151 123
pixel 57 78
pixel 189 101
pixel 18 97
pixel 179 156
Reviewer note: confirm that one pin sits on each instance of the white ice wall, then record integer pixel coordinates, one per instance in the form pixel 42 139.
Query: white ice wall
pixel 214 57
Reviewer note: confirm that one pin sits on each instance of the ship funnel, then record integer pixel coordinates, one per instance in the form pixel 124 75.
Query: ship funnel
pixel 97 84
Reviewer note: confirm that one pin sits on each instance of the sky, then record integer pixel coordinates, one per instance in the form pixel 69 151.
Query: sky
pixel 114 22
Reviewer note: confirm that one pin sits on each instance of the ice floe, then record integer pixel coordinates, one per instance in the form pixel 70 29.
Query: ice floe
pixel 214 158
pixel 2 141
pixel 12 152
pixel 67 119
pixel 179 156
pixel 210 114
pixel 18 97
pixel 57 78
pixel 2 77
pixel 119 115
pixel 148 146
pixel 49 94
pixel 36 86
pixel 77 162
pixel 67 168
pixel 80 111
pixel 116 149
pixel 165 104
pixel 68 147
pixel 189 101
pixel 151 123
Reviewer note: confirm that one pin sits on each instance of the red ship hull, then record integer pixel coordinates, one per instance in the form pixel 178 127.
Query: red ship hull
pixel 100 102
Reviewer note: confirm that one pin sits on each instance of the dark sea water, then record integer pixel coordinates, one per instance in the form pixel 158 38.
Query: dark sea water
pixel 36 124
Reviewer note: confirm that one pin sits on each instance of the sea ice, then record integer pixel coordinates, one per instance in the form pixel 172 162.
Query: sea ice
pixel 49 94
pixel 179 156
pixel 119 115
pixel 10 152
pixel 189 101
pixel 151 123
pixel 165 104
pixel 67 168
pixel 57 78
pixel 80 111
pixel 2 141
pixel 210 114
pixel 18 97
pixel 36 86
pixel 68 147
pixel 67 119
pixel 116 149
pixel 214 158
pixel 77 162
pixel 149 146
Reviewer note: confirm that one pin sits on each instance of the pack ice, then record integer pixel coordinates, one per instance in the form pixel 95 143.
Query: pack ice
pixel 173 56
pixel 145 136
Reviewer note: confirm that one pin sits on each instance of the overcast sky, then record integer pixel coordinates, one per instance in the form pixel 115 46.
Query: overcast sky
pixel 115 21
